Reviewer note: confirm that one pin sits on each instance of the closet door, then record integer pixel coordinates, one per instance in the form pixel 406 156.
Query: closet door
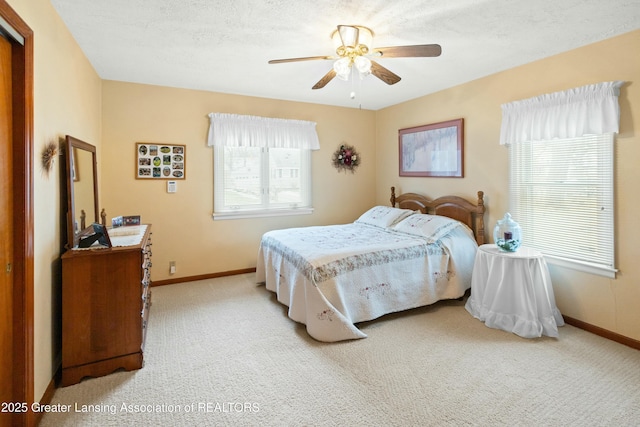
pixel 6 226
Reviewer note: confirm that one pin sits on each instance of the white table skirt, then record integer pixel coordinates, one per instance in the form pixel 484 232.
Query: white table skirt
pixel 513 291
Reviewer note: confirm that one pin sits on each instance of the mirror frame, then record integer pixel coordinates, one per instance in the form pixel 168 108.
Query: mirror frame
pixel 71 144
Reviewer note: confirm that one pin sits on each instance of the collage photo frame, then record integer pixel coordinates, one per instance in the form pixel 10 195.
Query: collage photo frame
pixel 160 161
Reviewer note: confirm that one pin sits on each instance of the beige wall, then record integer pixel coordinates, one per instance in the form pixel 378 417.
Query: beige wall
pixel 183 228
pixel 610 304
pixel 67 94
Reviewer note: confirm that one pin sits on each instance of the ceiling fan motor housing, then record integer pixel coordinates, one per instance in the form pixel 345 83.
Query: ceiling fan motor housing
pixel 352 40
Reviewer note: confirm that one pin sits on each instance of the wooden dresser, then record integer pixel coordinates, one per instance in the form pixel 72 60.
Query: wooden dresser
pixel 105 306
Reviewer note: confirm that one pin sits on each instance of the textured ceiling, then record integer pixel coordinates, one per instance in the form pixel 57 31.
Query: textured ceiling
pixel 224 45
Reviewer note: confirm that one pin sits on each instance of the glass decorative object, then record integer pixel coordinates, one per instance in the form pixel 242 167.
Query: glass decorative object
pixel 507 234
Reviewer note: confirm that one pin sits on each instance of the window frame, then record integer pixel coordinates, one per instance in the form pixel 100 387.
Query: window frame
pixel 266 208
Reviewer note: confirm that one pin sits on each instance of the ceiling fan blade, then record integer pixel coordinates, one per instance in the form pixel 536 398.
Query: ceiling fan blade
pixel 420 50
pixel 324 80
pixel 306 58
pixel 383 74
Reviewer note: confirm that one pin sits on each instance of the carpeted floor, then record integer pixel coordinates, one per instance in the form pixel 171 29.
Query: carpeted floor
pixel 223 352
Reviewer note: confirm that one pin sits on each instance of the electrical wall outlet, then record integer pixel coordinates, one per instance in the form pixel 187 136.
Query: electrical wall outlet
pixel 172 267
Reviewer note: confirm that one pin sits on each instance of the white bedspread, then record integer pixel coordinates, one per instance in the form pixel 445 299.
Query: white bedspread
pixel 332 277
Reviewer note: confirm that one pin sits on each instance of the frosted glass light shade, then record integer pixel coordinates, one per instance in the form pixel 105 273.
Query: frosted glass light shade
pixel 342 67
pixel 363 65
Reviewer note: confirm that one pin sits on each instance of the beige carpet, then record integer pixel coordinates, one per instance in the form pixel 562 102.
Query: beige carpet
pixel 223 352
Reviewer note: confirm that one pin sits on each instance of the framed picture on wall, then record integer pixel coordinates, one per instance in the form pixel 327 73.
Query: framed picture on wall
pixel 160 161
pixel 432 150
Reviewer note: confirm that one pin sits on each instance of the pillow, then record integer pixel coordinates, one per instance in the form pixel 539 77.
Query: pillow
pixel 433 227
pixel 384 216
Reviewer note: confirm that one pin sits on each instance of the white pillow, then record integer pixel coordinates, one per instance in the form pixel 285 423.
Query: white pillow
pixel 433 227
pixel 384 216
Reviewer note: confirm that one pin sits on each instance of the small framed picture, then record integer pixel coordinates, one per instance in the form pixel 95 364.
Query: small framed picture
pixel 160 161
pixel 131 220
pixel 117 222
pixel 432 150
pixel 102 233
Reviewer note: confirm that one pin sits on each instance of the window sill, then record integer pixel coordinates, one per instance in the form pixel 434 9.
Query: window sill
pixel 217 216
pixel 582 266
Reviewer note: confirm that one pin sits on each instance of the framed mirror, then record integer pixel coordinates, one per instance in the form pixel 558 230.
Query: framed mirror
pixel 82 188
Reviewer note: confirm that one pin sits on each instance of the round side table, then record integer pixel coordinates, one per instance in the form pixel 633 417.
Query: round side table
pixel 512 291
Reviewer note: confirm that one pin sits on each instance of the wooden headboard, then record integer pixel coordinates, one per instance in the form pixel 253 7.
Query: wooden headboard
pixel 450 206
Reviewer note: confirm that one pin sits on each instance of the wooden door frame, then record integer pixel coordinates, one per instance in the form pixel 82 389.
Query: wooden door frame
pixel 23 263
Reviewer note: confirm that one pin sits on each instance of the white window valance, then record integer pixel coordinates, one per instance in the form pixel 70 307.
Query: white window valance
pixel 233 130
pixel 591 109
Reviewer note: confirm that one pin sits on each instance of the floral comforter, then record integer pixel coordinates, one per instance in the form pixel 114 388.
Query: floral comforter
pixel 332 277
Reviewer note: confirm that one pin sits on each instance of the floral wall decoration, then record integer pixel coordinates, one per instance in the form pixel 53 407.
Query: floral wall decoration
pixel 346 158
pixel 48 156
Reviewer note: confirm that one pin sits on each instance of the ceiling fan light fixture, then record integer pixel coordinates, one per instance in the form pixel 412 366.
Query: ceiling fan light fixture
pixel 342 67
pixel 363 65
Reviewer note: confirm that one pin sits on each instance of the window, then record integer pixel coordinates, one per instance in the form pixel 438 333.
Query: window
pixel 255 181
pixel 262 166
pixel 561 161
pixel 561 193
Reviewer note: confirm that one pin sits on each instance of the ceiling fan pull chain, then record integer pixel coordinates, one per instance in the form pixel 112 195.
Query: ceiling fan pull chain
pixel 353 78
pixel 361 92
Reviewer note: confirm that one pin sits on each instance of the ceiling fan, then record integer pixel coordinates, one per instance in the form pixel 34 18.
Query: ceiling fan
pixel 353 45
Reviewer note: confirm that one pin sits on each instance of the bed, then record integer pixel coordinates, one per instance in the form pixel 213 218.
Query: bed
pixel 413 253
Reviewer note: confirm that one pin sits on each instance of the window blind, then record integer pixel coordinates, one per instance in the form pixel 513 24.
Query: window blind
pixel 561 193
